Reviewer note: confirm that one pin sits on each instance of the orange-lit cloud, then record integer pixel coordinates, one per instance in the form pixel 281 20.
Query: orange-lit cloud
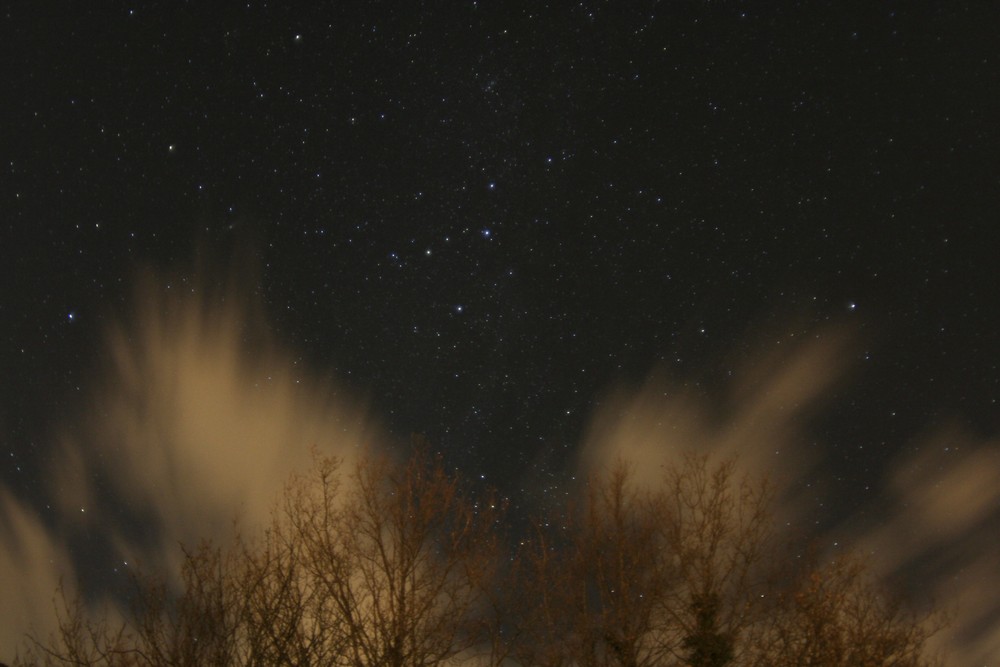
pixel 198 419
pixel 32 563
pixel 194 424
pixel 936 520
pixel 939 526
pixel 761 417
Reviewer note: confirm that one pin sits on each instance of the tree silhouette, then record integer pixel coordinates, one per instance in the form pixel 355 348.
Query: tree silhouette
pixel 402 565
pixel 707 646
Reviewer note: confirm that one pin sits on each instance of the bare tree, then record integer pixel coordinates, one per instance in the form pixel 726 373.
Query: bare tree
pixel 599 574
pixel 682 575
pixel 392 570
pixel 638 578
pixel 716 529
pixel 82 639
pixel 402 565
pixel 587 589
pixel 406 569
pixel 837 614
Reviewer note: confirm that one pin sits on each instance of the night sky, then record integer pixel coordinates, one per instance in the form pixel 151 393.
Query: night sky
pixel 478 222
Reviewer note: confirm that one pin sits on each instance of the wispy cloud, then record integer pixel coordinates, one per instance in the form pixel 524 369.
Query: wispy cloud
pixel 198 417
pixel 933 527
pixel 937 530
pixel 32 562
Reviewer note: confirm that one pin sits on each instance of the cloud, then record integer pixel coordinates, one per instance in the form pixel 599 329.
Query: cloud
pixel 760 415
pixel 932 526
pixel 937 532
pixel 32 562
pixel 197 417
pixel 200 416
